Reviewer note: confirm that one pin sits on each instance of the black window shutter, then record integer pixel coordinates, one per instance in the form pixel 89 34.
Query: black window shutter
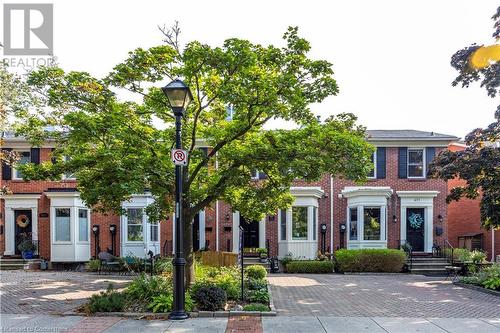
pixel 402 162
pixel 6 169
pixel 35 155
pixel 430 152
pixel 380 162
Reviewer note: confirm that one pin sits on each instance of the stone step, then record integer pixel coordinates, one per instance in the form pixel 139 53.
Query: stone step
pixel 14 263
pixel 429 271
pixel 5 267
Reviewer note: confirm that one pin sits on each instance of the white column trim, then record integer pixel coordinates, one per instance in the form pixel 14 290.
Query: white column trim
pixel 262 233
pixel 10 241
pixel 236 232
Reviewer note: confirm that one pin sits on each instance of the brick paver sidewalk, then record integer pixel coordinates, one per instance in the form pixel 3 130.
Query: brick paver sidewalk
pixel 244 324
pixel 51 292
pixel 399 295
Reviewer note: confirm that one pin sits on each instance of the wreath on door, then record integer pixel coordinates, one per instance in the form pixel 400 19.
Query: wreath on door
pixel 22 221
pixel 415 220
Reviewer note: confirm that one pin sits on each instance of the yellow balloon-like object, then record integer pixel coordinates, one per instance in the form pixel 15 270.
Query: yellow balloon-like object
pixel 485 56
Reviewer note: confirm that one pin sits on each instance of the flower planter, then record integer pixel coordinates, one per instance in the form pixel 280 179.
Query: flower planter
pixel 27 254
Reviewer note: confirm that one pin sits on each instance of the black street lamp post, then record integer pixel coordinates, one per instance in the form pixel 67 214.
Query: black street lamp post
pixel 179 96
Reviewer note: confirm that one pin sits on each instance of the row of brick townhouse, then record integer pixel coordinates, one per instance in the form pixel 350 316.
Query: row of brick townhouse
pixel 398 204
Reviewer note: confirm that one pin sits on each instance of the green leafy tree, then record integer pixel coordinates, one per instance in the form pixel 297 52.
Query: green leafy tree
pixel 479 163
pixel 116 150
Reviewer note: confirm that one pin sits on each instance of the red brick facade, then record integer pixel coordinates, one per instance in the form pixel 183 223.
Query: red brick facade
pixel 218 228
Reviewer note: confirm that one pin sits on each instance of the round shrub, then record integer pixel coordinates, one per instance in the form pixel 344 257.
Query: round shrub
pixel 210 298
pixel 256 272
pixel 254 284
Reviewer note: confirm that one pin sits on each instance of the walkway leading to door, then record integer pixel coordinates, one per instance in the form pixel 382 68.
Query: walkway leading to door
pixel 398 295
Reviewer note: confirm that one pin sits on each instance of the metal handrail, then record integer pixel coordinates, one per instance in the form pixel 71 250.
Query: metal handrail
pixel 447 244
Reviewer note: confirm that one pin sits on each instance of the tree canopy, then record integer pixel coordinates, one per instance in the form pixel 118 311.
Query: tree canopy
pixel 479 163
pixel 116 148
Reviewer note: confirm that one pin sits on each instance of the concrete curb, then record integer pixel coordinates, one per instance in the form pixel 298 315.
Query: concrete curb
pixel 271 302
pixel 477 288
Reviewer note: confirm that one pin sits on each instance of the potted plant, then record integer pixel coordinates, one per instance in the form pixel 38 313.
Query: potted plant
pixel 27 248
pixel 262 254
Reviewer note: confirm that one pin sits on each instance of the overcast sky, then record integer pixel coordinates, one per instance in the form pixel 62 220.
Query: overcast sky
pixel 391 58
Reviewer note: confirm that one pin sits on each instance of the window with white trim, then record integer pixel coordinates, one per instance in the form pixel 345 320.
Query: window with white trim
pixel 299 223
pixel 83 225
pixel 62 225
pixel 353 223
pixel 315 212
pixel 373 159
pixel 134 224
pixel 283 224
pixel 416 163
pixel 24 158
pixel 371 223
pixel 153 231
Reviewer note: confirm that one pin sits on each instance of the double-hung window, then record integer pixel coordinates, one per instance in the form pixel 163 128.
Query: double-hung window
pixel 299 223
pixel 353 223
pixel 68 176
pixel 83 225
pixel 371 223
pixel 153 231
pixel 283 224
pixel 134 224
pixel 63 225
pixel 24 157
pixel 416 163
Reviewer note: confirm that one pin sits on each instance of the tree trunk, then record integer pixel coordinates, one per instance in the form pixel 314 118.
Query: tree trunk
pixel 188 244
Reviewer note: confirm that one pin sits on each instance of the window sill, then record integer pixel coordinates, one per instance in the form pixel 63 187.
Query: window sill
pixel 417 179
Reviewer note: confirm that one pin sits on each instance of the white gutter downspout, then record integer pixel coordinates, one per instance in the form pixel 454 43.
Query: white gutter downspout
pixel 331 214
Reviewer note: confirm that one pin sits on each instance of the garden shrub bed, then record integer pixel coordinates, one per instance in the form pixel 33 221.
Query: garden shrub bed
pixel 488 278
pixel 309 266
pixel 215 289
pixel 370 260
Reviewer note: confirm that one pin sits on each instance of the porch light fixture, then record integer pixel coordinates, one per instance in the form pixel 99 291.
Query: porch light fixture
pixel 227 217
pixel 112 228
pixel 178 95
pixel 95 229
pixel 394 218
pixel 440 218
pixel 271 218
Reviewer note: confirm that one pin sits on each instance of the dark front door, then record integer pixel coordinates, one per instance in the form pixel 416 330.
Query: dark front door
pixel 415 224
pixel 251 236
pixel 196 232
pixel 23 223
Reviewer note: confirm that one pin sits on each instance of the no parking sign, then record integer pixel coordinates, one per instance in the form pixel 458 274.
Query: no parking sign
pixel 179 156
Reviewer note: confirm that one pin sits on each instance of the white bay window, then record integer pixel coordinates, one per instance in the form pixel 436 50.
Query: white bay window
pixel 367 216
pixel 298 225
pixel 140 235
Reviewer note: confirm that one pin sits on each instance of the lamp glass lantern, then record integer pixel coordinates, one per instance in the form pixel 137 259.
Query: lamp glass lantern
pixel 179 96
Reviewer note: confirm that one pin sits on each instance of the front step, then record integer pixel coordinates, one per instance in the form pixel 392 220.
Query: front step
pixel 248 261
pixel 431 266
pixel 16 264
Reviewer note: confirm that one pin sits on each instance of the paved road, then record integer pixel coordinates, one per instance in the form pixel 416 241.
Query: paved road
pixel 378 296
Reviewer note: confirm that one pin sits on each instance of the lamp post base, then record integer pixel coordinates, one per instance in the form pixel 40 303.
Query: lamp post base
pixel 178 315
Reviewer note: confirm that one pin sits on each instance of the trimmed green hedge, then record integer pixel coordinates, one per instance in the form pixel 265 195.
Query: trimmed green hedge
pixel 370 260
pixel 310 266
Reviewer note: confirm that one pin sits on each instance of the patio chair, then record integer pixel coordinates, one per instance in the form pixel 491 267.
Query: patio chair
pixel 108 263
